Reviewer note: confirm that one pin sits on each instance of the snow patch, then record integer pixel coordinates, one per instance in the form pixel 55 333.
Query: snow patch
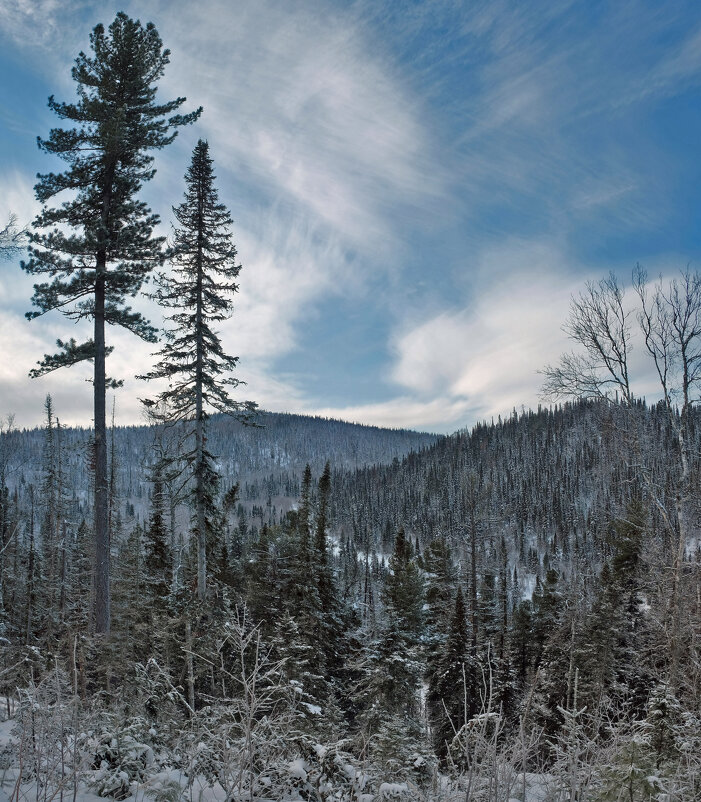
pixel 297 769
pixel 393 790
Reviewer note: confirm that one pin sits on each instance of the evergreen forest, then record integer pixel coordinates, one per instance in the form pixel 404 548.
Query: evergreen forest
pixel 234 605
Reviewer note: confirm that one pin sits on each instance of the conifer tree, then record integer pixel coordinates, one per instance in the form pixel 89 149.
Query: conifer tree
pixel 403 589
pixel 49 501
pixel 388 693
pixel 610 652
pixel 437 562
pixel 440 573
pixel 95 267
pixel 81 585
pixel 130 595
pixel 158 559
pixel 299 586
pixel 546 612
pixel 193 360
pixel 323 571
pixel 450 700
pixel 331 624
pixel 262 582
pixel 521 643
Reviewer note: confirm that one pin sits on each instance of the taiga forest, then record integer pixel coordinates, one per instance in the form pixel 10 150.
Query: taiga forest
pixel 228 604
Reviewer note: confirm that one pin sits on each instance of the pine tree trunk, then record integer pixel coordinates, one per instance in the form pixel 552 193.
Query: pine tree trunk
pixel 102 535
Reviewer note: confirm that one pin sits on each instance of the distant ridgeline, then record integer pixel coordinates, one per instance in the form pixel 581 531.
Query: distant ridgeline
pixel 550 481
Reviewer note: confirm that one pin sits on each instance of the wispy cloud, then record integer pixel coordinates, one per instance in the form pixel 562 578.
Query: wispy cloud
pixel 485 353
pixel 297 106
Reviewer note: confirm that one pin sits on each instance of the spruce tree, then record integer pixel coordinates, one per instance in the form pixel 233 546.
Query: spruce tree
pixel 261 583
pixel 331 624
pixel 300 590
pixel 403 590
pixel 387 694
pixel 437 562
pixel 450 699
pixel 193 360
pixel 49 501
pixel 158 559
pixel 323 570
pixel 97 247
pixel 521 644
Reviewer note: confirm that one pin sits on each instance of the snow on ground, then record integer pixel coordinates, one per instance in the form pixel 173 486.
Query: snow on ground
pixel 201 791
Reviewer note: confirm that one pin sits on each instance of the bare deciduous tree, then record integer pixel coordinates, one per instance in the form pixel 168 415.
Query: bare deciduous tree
pixel 11 238
pixel 670 320
pixel 600 324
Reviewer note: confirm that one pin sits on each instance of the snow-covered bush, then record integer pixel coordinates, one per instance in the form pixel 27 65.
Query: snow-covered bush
pixel 158 710
pixel 324 772
pixel 167 790
pixel 243 740
pixel 630 773
pixel 399 753
pixel 120 759
pixel 46 750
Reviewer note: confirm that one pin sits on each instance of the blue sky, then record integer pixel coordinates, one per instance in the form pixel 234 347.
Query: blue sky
pixel 418 188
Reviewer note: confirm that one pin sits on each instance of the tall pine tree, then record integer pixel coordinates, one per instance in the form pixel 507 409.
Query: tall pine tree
pixel 193 360
pixel 97 246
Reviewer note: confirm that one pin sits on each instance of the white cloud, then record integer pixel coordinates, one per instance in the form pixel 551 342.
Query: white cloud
pixel 442 414
pixel 489 351
pixel 298 105
pixel 17 196
pixel 482 359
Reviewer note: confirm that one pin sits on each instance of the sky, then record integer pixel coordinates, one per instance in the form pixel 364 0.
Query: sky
pixel 418 188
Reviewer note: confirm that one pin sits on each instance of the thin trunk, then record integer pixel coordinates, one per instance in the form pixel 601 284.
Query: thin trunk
pixel 200 489
pixel 113 477
pixel 62 595
pixel 58 521
pixel 61 522
pixel 175 544
pixel 190 666
pixel 49 499
pixel 474 617
pixel 30 573
pixel 680 500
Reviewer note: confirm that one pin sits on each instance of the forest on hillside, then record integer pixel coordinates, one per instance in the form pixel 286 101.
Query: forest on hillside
pixel 490 614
